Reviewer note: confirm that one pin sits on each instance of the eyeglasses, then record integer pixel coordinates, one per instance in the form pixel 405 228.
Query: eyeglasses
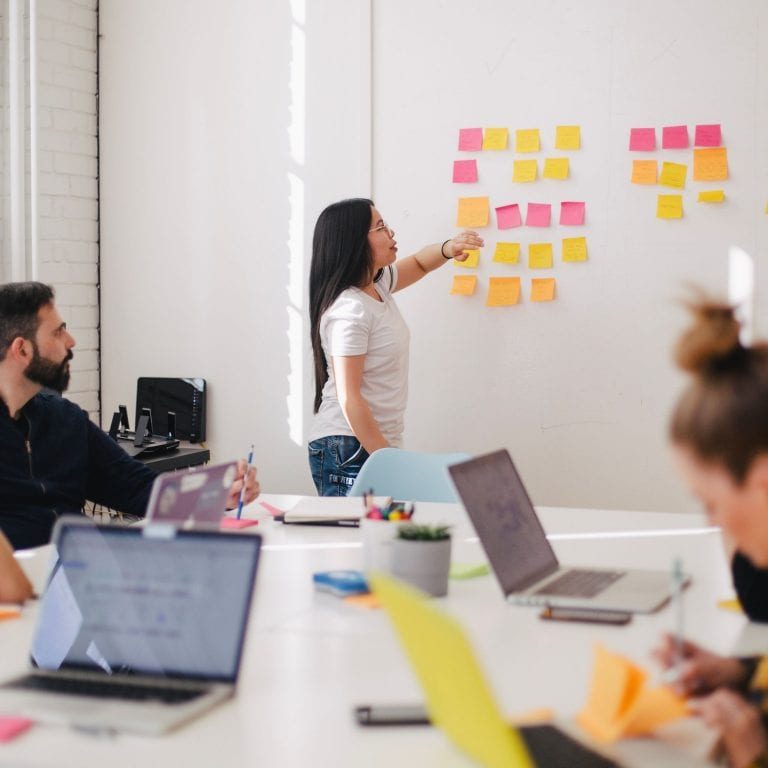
pixel 383 226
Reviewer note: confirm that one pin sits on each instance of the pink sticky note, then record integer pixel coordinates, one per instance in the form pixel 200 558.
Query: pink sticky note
pixel 235 524
pixel 538 215
pixel 470 139
pixel 572 213
pixel 674 137
pixel 11 727
pixel 708 136
pixel 508 216
pixel 464 171
pixel 642 139
pixel 274 511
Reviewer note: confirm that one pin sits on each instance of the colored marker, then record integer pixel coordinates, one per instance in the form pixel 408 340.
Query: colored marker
pixel 242 490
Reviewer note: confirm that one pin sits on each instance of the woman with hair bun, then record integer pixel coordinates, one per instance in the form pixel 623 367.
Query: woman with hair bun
pixel 719 435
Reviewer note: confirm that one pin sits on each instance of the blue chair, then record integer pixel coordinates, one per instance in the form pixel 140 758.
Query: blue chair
pixel 408 475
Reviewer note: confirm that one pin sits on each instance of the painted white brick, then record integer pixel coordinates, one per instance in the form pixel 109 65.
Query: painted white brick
pixel 45 161
pixel 82 317
pixel 65 120
pixel 85 230
pixel 56 141
pixel 44 117
pixel 83 144
pixel 88 401
pixel 77 295
pixel 76 165
pixel 83 17
pixel 55 272
pixel 92 4
pixel 85 360
pixel 55 52
pixel 82 59
pixel 53 184
pixel 76 80
pixel 75 208
pixel 85 381
pixel 54 96
pixel 81 186
pixel 75 36
pixel 83 102
pixel 54 229
pixel 57 10
pixel 71 251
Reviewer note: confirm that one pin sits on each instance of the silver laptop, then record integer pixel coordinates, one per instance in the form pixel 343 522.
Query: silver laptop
pixel 139 629
pixel 522 558
pixel 196 497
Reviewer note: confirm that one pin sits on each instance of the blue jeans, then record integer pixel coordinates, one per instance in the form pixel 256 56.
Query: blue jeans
pixel 334 462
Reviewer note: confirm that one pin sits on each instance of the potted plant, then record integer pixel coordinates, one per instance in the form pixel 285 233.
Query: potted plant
pixel 421 555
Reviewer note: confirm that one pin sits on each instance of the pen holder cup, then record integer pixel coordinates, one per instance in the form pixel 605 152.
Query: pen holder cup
pixel 378 536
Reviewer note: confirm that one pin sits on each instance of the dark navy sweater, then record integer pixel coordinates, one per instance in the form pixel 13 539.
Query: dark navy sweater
pixel 53 458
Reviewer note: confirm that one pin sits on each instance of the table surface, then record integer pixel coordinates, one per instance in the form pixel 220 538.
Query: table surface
pixel 310 657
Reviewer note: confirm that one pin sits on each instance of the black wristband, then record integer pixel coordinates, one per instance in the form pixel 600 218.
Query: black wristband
pixel 442 252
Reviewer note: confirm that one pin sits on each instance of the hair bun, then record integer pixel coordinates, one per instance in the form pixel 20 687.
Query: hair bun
pixel 711 340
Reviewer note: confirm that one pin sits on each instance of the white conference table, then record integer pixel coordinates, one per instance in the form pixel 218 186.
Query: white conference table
pixel 310 657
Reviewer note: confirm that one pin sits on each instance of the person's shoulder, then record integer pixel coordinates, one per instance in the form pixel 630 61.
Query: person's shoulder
pixel 350 303
pixel 53 404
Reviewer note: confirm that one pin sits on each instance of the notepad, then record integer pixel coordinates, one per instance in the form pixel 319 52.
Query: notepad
pixel 328 510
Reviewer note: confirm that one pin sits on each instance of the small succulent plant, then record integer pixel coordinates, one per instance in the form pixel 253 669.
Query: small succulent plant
pixel 413 532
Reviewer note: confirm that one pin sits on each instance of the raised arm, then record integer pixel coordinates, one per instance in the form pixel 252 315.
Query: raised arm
pixel 348 372
pixel 430 257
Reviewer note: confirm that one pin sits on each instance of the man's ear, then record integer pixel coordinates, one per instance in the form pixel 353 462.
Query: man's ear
pixel 20 349
pixel 758 472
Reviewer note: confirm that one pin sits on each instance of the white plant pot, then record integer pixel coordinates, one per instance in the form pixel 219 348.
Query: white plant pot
pixel 423 564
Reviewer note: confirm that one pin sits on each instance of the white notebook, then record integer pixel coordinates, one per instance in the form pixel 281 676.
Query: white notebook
pixel 338 510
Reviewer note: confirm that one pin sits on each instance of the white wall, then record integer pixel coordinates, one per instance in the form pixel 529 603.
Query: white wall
pixel 224 129
pixel 209 194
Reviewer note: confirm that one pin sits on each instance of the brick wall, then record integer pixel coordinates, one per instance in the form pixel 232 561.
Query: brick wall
pixel 68 232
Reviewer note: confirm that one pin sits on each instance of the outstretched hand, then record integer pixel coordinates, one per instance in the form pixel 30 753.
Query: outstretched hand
pixel 465 241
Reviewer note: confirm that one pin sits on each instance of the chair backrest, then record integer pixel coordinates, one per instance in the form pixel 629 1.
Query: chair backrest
pixel 408 475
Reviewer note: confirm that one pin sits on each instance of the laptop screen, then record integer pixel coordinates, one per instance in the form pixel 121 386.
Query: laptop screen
pixel 505 520
pixel 147 601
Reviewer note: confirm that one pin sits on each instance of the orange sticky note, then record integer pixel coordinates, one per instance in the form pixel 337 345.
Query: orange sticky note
pixel 495 138
pixel 507 253
pixel 669 207
pixel 503 291
pixel 464 285
pixel 368 600
pixel 540 256
pixel 524 170
pixel 472 212
pixel 644 171
pixel 567 137
pixel 527 140
pixel 574 249
pixel 472 260
pixel 710 164
pixel 543 289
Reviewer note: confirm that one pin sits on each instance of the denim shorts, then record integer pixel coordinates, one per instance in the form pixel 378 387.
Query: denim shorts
pixel 334 462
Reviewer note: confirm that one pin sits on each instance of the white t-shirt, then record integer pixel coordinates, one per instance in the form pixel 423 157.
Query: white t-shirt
pixel 357 324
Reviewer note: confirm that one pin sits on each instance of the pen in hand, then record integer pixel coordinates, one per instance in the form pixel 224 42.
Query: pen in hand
pixel 245 477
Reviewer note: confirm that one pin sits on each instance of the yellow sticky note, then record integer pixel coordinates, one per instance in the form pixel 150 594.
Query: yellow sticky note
pixel 673 175
pixel 495 138
pixel 556 168
pixel 711 196
pixel 644 171
pixel 507 253
pixel 524 170
pixel 710 164
pixel 730 604
pixel 472 260
pixel 503 291
pixel 527 140
pixel 568 137
pixel 669 207
pixel 540 256
pixel 543 289
pixel 473 212
pixel 464 285
pixel 574 249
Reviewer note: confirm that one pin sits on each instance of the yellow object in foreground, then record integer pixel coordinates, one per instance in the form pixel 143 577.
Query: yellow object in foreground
pixel 619 704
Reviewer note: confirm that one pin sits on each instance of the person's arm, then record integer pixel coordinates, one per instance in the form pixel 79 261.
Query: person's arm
pixel 348 372
pixel 15 587
pixel 429 258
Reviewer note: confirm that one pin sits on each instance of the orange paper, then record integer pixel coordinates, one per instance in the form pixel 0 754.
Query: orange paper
pixel 473 212
pixel 464 285
pixel 710 164
pixel 503 291
pixel 644 171
pixel 543 289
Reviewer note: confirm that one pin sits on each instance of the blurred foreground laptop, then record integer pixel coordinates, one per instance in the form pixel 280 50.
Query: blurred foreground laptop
pixel 459 699
pixel 196 497
pixel 139 629
pixel 522 558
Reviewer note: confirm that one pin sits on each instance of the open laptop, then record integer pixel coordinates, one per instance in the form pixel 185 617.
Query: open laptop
pixel 139 629
pixel 460 701
pixel 522 558
pixel 196 497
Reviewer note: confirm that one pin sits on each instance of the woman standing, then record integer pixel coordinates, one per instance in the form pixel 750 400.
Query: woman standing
pixel 360 341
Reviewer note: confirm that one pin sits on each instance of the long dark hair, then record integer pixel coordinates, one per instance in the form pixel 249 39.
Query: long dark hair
pixel 341 258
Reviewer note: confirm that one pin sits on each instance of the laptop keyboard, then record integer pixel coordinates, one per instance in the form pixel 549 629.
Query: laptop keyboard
pixel 576 583
pixel 552 748
pixel 106 689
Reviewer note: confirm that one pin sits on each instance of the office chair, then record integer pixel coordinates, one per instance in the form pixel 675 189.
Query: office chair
pixel 408 475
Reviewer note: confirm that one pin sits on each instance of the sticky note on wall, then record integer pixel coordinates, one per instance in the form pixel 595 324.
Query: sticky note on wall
pixel 574 249
pixel 572 213
pixel 568 137
pixel 710 164
pixel 556 168
pixel 472 212
pixel 644 171
pixel 674 137
pixel 669 207
pixel 540 256
pixel 472 260
pixel 543 289
pixel 503 291
pixel 708 135
pixel 711 196
pixel 464 171
pixel 495 138
pixel 642 139
pixel 508 216
pixel 527 140
pixel 470 139
pixel 673 175
pixel 538 215
pixel 524 170
pixel 507 253
pixel 464 285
